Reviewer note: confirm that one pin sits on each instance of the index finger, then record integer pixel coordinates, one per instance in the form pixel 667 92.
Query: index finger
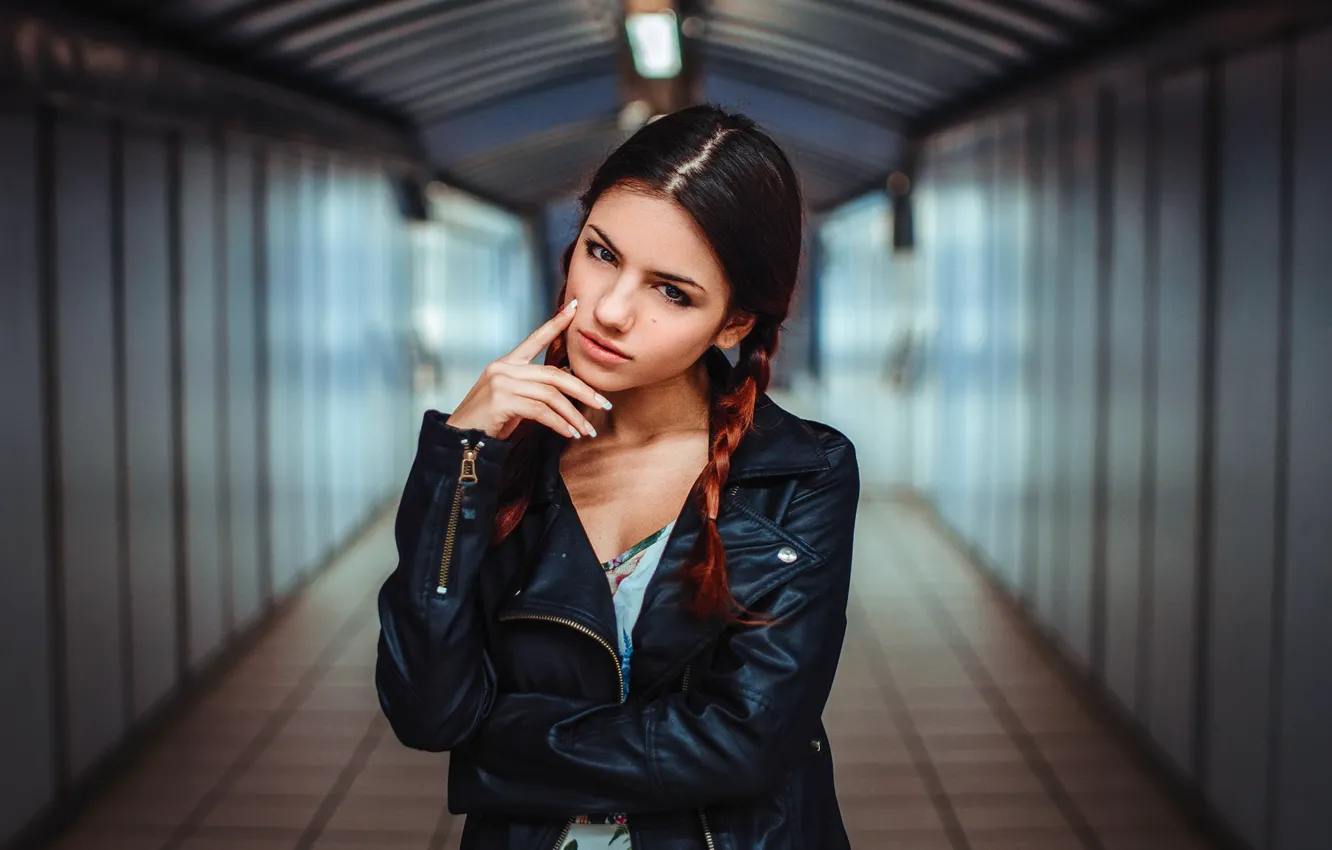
pixel 529 348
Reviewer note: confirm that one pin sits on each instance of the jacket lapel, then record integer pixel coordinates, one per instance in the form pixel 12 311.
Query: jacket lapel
pixel 760 556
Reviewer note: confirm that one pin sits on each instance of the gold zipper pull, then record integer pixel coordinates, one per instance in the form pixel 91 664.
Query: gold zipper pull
pixel 467 475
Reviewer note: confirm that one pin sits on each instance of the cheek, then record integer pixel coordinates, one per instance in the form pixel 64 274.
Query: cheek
pixel 585 278
pixel 678 340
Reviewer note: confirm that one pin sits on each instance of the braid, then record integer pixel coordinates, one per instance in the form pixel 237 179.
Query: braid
pixel 731 415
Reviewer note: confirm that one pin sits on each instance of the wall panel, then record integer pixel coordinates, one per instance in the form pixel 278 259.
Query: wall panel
pixel 1050 306
pixel 1244 470
pixel 311 354
pixel 284 375
pixel 1176 426
pixel 1303 789
pixel 89 477
pixel 201 348
pixel 27 725
pixel 1077 356
pixel 1125 408
pixel 148 406
pixel 242 385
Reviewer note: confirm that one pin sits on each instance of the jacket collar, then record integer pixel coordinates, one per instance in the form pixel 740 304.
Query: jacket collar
pixel 777 445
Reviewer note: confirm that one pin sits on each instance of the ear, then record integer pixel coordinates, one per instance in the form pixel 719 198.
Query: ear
pixel 737 327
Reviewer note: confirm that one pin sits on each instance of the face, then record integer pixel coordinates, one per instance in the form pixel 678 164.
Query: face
pixel 652 297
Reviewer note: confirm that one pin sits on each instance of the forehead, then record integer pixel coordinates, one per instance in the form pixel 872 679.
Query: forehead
pixel 656 234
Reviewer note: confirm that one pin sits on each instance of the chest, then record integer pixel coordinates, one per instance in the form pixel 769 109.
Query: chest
pixel 622 496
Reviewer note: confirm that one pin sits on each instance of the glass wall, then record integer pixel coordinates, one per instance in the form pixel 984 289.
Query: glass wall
pixel 477 293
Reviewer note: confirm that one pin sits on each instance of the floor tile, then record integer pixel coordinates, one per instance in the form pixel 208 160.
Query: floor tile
pixel 291 811
pixel 1009 812
pixel 388 814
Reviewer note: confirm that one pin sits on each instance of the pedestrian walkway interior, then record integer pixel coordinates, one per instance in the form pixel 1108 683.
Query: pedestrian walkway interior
pixel 951 727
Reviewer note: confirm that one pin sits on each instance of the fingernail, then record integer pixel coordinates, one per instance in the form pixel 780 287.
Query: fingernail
pixel 606 405
pixel 574 432
pixel 591 431
pixel 569 308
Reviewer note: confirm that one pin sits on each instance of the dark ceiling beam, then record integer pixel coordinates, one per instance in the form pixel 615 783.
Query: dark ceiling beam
pixel 314 31
pixel 402 45
pixel 1020 31
pixel 1051 13
pixel 776 77
pixel 443 108
pixel 955 36
pixel 256 21
pixel 496 77
pixel 577 72
pixel 830 78
pixel 812 56
pixel 1025 24
pixel 544 51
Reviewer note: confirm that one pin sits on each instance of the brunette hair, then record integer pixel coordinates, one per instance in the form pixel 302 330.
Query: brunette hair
pixel 741 190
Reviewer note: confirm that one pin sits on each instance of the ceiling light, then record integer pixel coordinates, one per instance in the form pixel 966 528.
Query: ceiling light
pixel 634 115
pixel 654 40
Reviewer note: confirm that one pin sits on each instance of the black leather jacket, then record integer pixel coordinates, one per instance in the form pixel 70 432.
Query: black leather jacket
pixel 504 655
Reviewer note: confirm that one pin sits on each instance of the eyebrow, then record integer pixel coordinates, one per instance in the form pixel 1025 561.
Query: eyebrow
pixel 675 278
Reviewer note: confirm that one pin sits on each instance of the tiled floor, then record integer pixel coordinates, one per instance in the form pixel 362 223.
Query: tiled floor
pixel 949 730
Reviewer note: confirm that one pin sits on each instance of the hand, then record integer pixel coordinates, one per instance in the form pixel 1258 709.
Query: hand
pixel 513 388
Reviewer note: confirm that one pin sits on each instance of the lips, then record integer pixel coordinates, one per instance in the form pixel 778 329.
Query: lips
pixel 600 349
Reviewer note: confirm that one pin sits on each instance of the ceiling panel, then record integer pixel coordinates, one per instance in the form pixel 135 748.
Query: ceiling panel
pixel 518 97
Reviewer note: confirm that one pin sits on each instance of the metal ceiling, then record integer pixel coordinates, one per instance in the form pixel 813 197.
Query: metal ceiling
pixel 517 99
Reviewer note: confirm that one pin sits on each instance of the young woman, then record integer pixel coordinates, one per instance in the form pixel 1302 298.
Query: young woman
pixel 622 581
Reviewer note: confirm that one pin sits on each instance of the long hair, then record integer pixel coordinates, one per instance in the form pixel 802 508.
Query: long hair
pixel 739 187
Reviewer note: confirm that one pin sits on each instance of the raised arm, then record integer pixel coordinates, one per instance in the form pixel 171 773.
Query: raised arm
pixel 433 677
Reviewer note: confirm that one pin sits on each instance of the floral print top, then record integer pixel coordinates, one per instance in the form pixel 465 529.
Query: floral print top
pixel 628 575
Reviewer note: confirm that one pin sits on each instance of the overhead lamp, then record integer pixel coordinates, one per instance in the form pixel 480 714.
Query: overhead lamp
pixel 634 115
pixel 654 40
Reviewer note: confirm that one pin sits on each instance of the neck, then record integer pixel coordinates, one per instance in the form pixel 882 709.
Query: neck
pixel 642 414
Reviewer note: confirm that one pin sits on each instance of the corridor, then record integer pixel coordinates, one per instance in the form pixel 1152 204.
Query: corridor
pixel 950 727
pixel 1062 282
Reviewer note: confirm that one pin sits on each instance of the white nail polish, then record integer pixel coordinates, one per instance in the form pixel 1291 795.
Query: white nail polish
pixel 592 431
pixel 606 405
pixel 574 432
pixel 569 308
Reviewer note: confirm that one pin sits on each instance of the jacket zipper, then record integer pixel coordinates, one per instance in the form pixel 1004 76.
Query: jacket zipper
pixel 702 815
pixel 568 827
pixel 615 656
pixel 466 477
pixel 619 675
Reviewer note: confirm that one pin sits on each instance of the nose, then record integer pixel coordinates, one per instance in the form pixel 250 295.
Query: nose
pixel 614 310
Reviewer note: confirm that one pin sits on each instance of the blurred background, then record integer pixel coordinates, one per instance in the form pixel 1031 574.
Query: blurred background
pixel 1066 289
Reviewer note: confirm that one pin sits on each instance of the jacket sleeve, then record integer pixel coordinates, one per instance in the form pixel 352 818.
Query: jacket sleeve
pixel 432 674
pixel 733 735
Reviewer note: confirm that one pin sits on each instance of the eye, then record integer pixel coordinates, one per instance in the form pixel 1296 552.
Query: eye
pixel 674 294
pixel 598 252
